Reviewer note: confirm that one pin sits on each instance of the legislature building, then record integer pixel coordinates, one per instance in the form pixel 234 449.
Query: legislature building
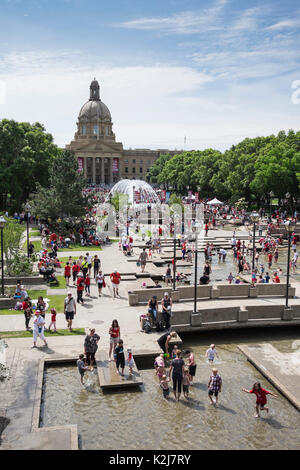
pixel 103 160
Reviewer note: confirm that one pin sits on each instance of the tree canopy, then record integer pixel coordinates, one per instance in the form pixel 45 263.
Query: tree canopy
pixel 250 170
pixel 26 152
pixel 63 198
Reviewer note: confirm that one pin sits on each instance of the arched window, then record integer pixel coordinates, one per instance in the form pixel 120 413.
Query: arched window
pixel 96 129
pixel 83 130
pixel 106 130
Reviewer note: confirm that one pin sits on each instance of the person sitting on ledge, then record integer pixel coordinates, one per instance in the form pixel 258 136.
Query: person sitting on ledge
pixel 204 280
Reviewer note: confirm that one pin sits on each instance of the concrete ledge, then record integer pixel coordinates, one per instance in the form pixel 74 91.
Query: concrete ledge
pixel 243 314
pixel 287 314
pixel 215 293
pixel 253 292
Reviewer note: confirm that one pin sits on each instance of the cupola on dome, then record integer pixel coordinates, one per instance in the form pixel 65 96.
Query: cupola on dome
pixel 94 109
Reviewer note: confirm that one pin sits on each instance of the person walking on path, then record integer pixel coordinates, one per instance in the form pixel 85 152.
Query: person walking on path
pixel 214 386
pixel 96 265
pixel 164 340
pixel 38 328
pixel 261 397
pixel 53 320
pixel 176 372
pixel 115 278
pixel 90 346
pixel 100 282
pixel 69 309
pixel 67 273
pixel 80 288
pixel 166 304
pixel 114 333
pixel 143 259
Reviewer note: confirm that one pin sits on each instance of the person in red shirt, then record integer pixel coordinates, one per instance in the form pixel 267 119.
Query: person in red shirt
pixel 75 271
pixel 67 273
pixel 276 278
pixel 53 237
pixel 270 258
pixel 53 320
pixel 80 287
pixel 115 278
pixel 87 283
pixel 261 397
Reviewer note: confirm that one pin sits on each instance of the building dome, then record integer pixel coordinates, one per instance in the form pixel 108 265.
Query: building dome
pixel 94 109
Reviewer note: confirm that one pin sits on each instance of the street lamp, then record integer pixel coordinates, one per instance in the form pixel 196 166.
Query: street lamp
pixel 27 209
pixel 195 281
pixel 255 218
pixel 2 224
pixel 174 261
pixel 290 227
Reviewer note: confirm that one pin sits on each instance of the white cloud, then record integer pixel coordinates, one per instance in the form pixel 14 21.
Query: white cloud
pixel 285 24
pixel 181 23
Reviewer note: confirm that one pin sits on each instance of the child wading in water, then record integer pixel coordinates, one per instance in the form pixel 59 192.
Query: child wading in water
pixel 261 398
pixel 164 384
pixel 82 368
pixel 119 357
pixel 214 386
pixel 186 383
pixel 211 353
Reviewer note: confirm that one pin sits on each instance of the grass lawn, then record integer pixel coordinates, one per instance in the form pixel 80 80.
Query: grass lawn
pixel 61 285
pixel 56 301
pixel 37 245
pixel 34 233
pixel 28 334
pixel 78 247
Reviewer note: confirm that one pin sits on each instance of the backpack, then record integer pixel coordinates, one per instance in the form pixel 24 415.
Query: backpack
pixel 147 327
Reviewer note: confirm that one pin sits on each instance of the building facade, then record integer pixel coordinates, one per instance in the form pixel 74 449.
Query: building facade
pixel 100 157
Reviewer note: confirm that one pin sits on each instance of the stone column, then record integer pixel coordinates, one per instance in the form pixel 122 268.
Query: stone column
pixel 102 170
pixel 94 169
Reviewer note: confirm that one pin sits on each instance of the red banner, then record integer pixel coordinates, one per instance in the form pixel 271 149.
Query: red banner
pixel 137 196
pixel 115 165
pixel 196 197
pixel 80 163
pixel 190 193
pixel 163 195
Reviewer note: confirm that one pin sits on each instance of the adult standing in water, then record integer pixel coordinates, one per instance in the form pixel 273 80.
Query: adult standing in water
pixel 164 340
pixel 91 346
pixel 177 371
pixel 114 333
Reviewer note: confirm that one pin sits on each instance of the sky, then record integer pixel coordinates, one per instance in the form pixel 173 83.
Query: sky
pixel 175 74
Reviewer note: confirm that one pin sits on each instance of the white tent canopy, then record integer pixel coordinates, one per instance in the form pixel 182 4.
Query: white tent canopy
pixel 214 202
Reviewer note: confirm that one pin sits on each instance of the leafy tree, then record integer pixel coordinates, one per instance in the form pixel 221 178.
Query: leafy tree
pixel 26 152
pixel 63 199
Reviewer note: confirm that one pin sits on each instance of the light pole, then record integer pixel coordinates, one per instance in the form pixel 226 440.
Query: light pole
pixel 174 263
pixel 255 218
pixel 195 281
pixel 290 227
pixel 2 224
pixel 27 209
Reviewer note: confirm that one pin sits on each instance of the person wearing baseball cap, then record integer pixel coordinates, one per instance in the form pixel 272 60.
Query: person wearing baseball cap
pixel 38 328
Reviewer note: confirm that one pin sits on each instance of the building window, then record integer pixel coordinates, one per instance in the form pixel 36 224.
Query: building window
pixel 83 130
pixel 106 130
pixel 96 130
pixel 126 161
pixel 133 170
pixel 141 170
pixel 126 169
pixel 133 161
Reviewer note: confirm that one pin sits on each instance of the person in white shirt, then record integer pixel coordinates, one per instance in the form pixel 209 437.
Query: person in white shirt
pixel 38 328
pixel 89 261
pixel 211 353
